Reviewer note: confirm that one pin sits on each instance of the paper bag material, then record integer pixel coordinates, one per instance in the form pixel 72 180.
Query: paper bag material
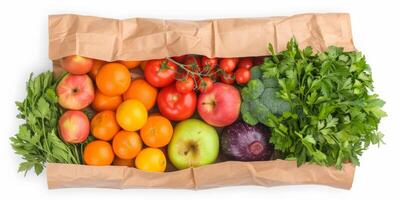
pixel 143 39
pixel 229 173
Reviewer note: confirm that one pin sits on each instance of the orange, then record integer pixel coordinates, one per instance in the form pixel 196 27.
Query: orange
pixel 97 64
pixel 104 125
pixel 143 65
pixel 151 160
pixel 131 115
pixel 130 64
pixel 98 153
pixel 103 102
pixel 113 79
pixel 157 132
pixel 142 91
pixel 123 162
pixel 127 145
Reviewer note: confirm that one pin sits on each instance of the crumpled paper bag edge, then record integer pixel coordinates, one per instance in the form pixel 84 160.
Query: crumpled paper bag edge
pixel 229 173
pixel 146 38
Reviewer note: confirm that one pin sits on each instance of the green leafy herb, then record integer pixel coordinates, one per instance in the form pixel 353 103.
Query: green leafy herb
pixel 320 107
pixel 37 140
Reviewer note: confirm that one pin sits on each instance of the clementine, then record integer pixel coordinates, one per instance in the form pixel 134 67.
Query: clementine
pixel 157 132
pixel 98 153
pixel 123 162
pixel 144 92
pixel 130 64
pixel 104 125
pixel 97 64
pixel 131 115
pixel 113 79
pixel 103 102
pixel 151 160
pixel 127 144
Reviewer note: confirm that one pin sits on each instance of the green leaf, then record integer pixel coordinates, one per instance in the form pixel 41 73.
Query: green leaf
pixel 319 156
pixel 25 166
pixel 310 139
pixel 24 133
pixel 38 168
pixel 43 107
pixel 51 95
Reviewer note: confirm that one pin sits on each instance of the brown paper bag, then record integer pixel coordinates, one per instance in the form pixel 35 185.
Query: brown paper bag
pixel 262 173
pixel 143 39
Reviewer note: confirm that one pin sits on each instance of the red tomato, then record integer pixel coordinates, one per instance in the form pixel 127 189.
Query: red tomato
pixel 228 64
pixel 227 78
pixel 211 62
pixel 185 85
pixel 174 105
pixel 179 59
pixel 193 63
pixel 160 73
pixel 213 74
pixel 205 85
pixel 242 76
pixel 246 63
pixel 258 60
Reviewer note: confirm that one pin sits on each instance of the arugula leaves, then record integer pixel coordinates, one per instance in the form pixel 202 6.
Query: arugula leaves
pixel 37 140
pixel 319 106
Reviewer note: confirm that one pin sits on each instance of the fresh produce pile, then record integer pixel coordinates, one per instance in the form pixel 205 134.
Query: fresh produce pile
pixel 192 110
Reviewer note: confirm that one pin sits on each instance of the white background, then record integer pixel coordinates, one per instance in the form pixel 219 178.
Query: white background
pixel 23 49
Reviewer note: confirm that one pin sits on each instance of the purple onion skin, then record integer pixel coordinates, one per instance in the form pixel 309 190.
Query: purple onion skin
pixel 244 142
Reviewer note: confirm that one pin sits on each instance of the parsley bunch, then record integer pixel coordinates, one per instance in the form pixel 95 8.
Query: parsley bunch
pixel 37 140
pixel 332 115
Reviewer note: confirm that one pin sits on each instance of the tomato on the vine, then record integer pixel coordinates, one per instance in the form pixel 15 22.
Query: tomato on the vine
pixel 227 78
pixel 242 76
pixel 174 105
pixel 246 63
pixel 211 62
pixel 205 84
pixel 193 63
pixel 213 74
pixel 160 73
pixel 228 64
pixel 185 85
pixel 179 59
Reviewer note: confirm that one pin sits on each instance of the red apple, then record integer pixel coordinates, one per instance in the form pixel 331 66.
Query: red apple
pixel 220 106
pixel 75 92
pixel 77 64
pixel 74 127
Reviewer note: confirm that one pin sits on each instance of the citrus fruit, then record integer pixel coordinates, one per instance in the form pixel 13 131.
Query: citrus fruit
pixel 127 145
pixel 130 64
pixel 98 153
pixel 151 160
pixel 142 91
pixel 131 115
pixel 113 79
pixel 103 102
pixel 104 125
pixel 123 162
pixel 157 132
pixel 97 64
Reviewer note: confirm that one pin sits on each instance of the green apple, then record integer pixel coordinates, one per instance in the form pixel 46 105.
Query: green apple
pixel 194 143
